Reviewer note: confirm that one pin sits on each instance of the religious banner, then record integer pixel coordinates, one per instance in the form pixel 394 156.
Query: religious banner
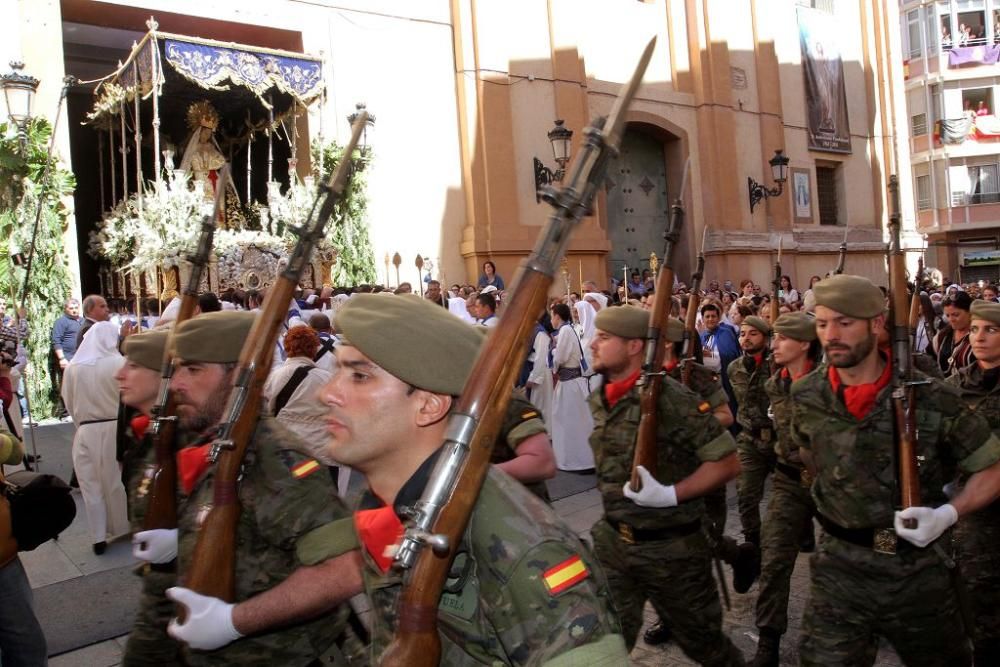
pixel 826 96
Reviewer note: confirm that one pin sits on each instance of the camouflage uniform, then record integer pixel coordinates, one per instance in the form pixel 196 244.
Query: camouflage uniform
pixel 977 536
pixel 755 441
pixel 499 606
pixel 282 497
pixel 707 384
pixel 790 509
pixel 522 421
pixel 858 593
pixel 660 554
pixel 148 642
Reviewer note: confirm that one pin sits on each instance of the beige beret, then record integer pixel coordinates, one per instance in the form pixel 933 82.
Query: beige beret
pixel 799 326
pixel 213 338
pixel 624 321
pixel 675 330
pixel 985 310
pixel 853 296
pixel 757 323
pixel 415 340
pixel 146 348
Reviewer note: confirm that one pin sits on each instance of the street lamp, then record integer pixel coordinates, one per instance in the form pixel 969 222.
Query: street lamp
pixel 364 150
pixel 19 93
pixel 561 140
pixel 779 172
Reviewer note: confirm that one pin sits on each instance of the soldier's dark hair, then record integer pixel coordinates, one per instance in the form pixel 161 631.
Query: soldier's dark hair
pixel 958 300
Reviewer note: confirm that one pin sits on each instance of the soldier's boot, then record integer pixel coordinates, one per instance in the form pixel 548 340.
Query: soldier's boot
pixel 657 634
pixel 746 569
pixel 768 654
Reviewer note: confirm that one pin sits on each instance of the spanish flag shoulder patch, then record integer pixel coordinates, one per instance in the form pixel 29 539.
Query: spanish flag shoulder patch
pixel 305 468
pixel 704 406
pixel 565 575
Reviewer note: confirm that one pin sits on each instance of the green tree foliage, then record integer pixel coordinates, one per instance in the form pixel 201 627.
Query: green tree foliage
pixel 21 169
pixel 348 231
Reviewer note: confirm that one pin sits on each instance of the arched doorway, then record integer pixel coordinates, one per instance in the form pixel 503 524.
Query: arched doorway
pixel 637 203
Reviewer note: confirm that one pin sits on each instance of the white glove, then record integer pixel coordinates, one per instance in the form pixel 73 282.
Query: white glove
pixel 653 494
pixel 209 623
pixel 931 522
pixel 155 546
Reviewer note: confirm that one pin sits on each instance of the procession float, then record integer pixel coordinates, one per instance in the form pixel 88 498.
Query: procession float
pixel 170 116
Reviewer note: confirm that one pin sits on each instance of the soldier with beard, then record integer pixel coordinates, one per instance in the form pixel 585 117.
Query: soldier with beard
pixel 872 576
pixel 284 493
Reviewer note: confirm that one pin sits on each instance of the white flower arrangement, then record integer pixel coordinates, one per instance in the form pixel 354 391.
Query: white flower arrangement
pixel 165 232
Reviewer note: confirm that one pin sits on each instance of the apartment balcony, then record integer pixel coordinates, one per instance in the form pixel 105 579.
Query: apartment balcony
pixel 978 211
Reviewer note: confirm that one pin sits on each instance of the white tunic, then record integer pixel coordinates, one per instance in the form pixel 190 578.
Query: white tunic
pixel 90 393
pixel 541 377
pixel 571 422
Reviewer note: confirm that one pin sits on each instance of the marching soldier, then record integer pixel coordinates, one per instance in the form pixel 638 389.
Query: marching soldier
pixel 651 542
pixel 139 383
pixel 707 384
pixel 538 598
pixel 525 590
pixel 791 509
pixel 747 375
pixel 872 576
pixel 284 494
pixel 977 536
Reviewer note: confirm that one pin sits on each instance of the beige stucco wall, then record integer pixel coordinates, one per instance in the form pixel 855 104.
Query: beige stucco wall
pixel 464 92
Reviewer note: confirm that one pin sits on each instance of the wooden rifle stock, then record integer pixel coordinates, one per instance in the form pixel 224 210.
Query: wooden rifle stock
pixel 651 379
pixel 212 570
pixel 442 513
pixel 161 508
pixel 903 392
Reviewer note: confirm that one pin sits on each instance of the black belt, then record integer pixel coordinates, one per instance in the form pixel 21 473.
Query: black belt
pixel 881 540
pixel 789 471
pixel 632 535
pixel 566 374
pixel 97 421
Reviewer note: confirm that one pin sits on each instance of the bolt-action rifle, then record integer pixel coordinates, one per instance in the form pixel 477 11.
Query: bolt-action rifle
pixel 691 342
pixel 651 378
pixel 903 384
pixel 843 255
pixel 439 518
pixel 161 509
pixel 775 305
pixel 212 569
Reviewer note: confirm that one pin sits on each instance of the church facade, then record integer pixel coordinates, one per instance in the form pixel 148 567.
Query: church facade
pixel 466 92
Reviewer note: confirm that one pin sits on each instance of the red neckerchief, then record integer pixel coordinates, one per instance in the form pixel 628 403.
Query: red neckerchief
pixel 614 391
pixel 192 462
pixel 860 399
pixel 671 365
pixel 139 425
pixel 758 359
pixel 805 369
pixel 378 529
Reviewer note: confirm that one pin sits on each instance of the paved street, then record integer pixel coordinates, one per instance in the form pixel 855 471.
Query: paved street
pixel 104 580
